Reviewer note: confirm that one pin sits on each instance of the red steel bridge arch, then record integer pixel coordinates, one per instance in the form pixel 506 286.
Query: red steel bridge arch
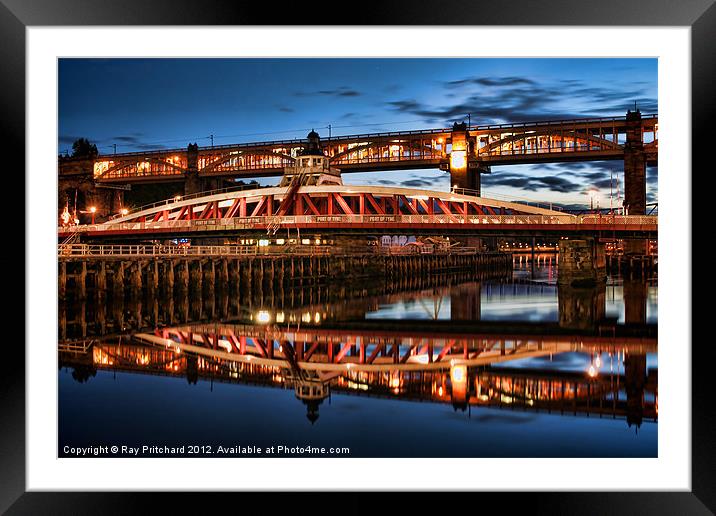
pixel 344 208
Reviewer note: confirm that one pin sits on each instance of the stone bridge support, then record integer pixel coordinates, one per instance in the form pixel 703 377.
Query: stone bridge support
pixel 464 169
pixel 634 176
pixel 582 263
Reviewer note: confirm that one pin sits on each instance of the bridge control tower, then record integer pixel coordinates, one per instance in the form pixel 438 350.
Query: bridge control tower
pixel 312 167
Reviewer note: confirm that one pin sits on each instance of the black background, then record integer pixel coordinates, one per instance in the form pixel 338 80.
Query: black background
pixel 15 15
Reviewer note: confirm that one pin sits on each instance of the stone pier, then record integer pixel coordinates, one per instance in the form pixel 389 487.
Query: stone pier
pixel 581 262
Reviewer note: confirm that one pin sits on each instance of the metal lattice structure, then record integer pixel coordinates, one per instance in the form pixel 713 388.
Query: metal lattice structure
pixel 531 142
pixel 336 207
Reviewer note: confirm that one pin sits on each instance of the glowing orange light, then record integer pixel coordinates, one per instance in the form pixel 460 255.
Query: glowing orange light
pixel 457 159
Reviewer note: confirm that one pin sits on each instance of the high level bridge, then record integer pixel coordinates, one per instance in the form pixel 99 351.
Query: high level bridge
pixel 466 152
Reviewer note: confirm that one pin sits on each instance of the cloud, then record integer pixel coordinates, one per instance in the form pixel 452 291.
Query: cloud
pixel 487 81
pixel 285 109
pixel 532 183
pixel 522 99
pixel 341 91
pixel 416 183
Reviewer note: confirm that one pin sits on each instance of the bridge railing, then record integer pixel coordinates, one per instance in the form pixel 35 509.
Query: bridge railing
pixel 619 219
pixel 83 250
pixel 407 220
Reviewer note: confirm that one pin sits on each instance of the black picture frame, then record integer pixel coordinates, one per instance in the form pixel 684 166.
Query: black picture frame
pixel 17 15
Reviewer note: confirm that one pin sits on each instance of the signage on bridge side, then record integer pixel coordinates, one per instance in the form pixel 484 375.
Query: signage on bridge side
pixel 327 218
pixel 382 218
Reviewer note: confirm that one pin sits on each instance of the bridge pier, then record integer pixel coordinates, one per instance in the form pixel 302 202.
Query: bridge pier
pixel 192 183
pixel 168 277
pixel 101 277
pixel 62 280
pixel 209 274
pixel 634 176
pixel 118 280
pixel 135 277
pixel 81 279
pixel 581 262
pixel 196 274
pixel 184 275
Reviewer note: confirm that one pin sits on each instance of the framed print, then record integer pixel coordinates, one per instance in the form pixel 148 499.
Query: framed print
pixel 359 258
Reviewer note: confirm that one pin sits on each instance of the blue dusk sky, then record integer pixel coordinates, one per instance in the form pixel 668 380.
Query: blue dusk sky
pixel 167 103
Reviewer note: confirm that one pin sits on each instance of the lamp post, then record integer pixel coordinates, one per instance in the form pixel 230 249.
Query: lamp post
pixel 93 210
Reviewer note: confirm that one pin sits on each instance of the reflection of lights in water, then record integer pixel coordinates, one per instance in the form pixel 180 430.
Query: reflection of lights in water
pixel 394 382
pixel 317 317
pixel 458 373
pixel 306 317
pixel 440 391
pixel 280 317
pixel 592 371
pixel 263 316
pixel 598 361
pixel 357 386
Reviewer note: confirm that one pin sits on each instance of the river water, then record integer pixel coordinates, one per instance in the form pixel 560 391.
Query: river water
pixel 507 367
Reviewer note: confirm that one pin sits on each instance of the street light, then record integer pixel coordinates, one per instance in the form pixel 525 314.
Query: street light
pixel 93 210
pixel 124 211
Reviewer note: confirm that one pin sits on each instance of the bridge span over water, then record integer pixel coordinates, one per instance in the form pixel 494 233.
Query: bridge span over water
pixel 362 209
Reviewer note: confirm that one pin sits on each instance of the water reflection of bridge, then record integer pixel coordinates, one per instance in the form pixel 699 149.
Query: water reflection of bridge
pixel 352 343
pixel 465 369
